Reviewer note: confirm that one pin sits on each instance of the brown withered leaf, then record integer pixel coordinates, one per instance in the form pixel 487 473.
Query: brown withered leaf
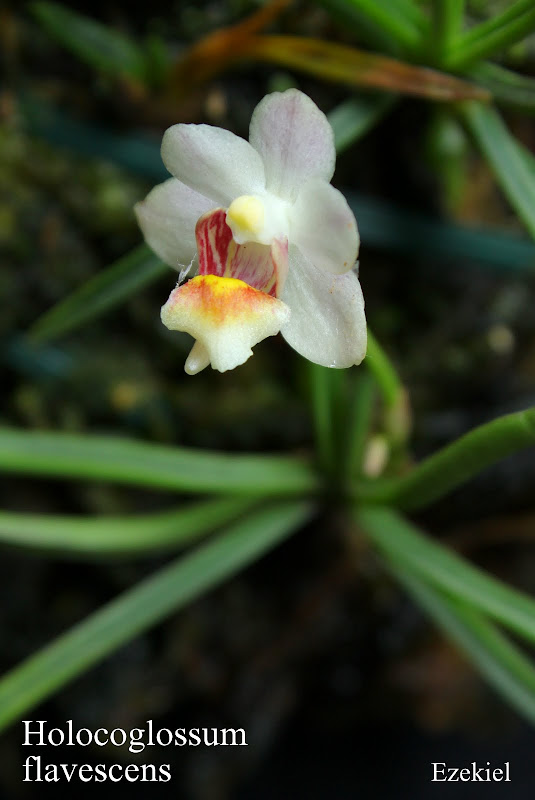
pixel 343 64
pixel 330 61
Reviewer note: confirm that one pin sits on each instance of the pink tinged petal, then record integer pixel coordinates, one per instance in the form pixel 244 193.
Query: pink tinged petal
pixel 213 161
pixel 167 218
pixel 327 323
pixel 226 317
pixel 261 266
pixel 295 140
pixel 324 228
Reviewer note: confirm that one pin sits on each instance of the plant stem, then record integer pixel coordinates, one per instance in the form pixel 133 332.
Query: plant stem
pixel 359 420
pixel 383 371
pixel 455 464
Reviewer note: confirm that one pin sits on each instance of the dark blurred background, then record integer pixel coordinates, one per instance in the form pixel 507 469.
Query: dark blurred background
pixel 344 688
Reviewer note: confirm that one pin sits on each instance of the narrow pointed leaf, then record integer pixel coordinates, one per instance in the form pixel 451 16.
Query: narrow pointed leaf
pixel 393 228
pixel 507 87
pixel 108 288
pixel 349 16
pixel 501 151
pixel 405 545
pixel 137 534
pixel 343 64
pixel 138 609
pixel 410 10
pixel 98 45
pixel 502 664
pixel 352 119
pixel 493 36
pixel 138 152
pixel 396 19
pixel 110 458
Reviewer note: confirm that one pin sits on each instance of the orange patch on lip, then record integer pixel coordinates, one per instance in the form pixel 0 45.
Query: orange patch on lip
pixel 220 300
pixel 226 316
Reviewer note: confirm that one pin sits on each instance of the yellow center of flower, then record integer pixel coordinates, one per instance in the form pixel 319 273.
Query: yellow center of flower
pixel 246 214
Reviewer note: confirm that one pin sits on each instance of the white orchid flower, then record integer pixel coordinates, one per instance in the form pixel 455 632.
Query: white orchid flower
pixel 276 243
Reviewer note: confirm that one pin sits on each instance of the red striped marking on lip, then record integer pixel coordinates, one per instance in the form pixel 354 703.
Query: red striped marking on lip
pixel 261 266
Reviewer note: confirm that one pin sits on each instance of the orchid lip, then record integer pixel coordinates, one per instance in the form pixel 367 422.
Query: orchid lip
pixel 227 318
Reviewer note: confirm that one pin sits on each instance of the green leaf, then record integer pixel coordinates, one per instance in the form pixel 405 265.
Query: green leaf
pixel 385 20
pixel 501 151
pixel 158 60
pixel 492 36
pixel 352 18
pixel 96 44
pixel 133 612
pixel 504 666
pixel 139 153
pixel 507 87
pixel 352 119
pixel 137 534
pixel 454 464
pixel 527 157
pixel 110 458
pixel 412 12
pixel 403 544
pixel 393 228
pixel 108 288
pixel 447 20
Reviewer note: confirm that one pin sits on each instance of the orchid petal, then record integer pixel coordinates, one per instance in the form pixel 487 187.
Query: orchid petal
pixel 167 217
pixel 213 161
pixel 295 140
pixel 261 266
pixel 327 323
pixel 324 228
pixel 226 317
